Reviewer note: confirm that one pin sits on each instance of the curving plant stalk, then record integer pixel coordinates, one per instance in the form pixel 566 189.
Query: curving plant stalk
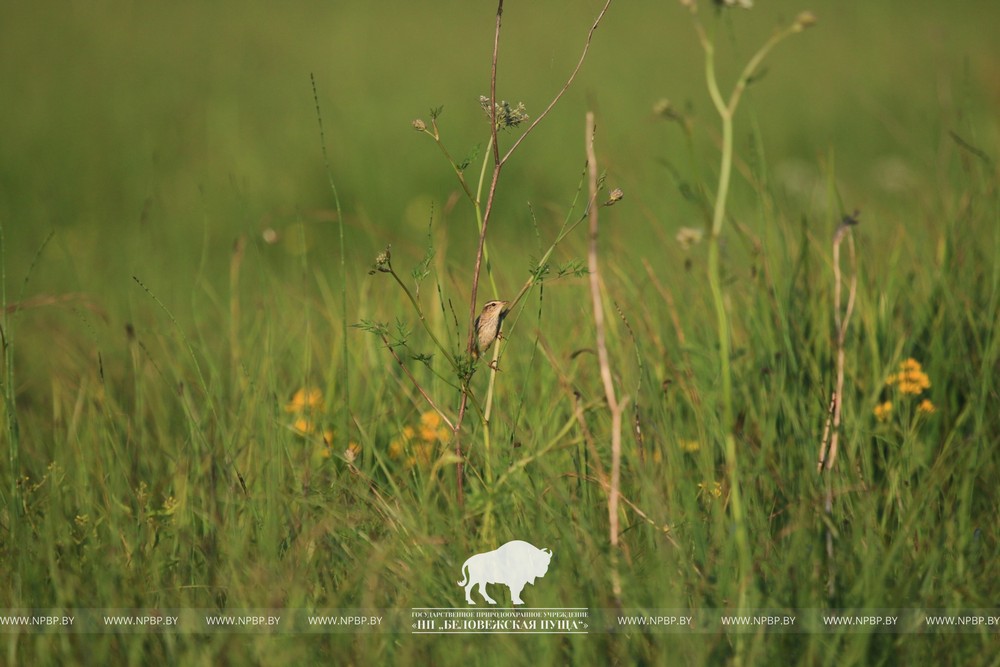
pixel 726 108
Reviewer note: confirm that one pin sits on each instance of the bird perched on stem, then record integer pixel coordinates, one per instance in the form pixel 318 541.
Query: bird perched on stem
pixel 488 326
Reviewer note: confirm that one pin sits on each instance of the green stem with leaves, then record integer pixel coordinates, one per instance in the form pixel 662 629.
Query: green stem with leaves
pixel 423 319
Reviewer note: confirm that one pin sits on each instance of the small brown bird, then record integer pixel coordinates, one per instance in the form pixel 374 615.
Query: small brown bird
pixel 488 325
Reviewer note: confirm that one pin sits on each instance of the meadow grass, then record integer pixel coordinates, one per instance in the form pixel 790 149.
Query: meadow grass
pixel 178 433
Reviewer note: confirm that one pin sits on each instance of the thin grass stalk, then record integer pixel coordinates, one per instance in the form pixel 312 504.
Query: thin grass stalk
pixel 345 362
pixel 15 503
pixel 237 379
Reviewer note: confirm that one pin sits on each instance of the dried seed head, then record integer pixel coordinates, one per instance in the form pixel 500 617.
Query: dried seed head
pixel 419 125
pixel 663 107
pixel 689 236
pixel 803 21
pixel 383 261
pixel 614 197
pixel 505 115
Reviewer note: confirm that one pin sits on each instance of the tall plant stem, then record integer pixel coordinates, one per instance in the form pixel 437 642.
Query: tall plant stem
pixel 722 323
pixel 616 405
pixel 498 163
pixel 726 110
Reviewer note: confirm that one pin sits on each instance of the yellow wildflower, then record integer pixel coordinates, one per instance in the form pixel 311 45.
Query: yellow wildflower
pixel 689 446
pixel 429 423
pixel 713 489
pixel 431 428
pixel 416 445
pixel 307 398
pixel 882 411
pixel 170 505
pixel 305 404
pixel 303 426
pixel 911 378
pixel 422 454
pixel 396 448
pixel 926 407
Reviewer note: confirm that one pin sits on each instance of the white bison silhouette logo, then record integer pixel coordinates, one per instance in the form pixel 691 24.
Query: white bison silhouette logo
pixel 515 565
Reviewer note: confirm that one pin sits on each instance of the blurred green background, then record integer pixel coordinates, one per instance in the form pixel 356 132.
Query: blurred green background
pixel 141 131
pixel 143 140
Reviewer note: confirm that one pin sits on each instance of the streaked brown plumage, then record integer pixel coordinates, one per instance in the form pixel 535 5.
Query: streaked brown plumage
pixel 488 325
